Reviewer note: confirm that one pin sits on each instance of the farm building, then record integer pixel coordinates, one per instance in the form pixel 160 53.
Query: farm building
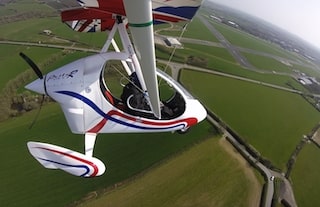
pixel 172 42
pixel 47 32
pixel 305 81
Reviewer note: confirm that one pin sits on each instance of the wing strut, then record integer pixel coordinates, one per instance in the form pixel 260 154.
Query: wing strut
pixel 90 139
pixel 139 14
pixel 142 60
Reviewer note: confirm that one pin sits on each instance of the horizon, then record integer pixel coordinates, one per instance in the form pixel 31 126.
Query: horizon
pixel 297 19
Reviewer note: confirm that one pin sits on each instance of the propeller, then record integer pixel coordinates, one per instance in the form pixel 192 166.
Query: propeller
pixel 32 65
pixel 40 75
pixel 38 112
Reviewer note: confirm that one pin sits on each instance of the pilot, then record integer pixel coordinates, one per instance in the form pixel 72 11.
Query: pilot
pixel 133 93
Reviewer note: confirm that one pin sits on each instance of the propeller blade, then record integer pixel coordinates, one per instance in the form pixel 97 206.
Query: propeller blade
pixel 32 65
pixel 37 115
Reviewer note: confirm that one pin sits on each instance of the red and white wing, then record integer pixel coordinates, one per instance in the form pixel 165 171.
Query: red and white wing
pixel 98 15
pixel 88 19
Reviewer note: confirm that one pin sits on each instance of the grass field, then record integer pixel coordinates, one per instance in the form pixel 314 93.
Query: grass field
pixel 266 63
pixel 25 183
pixel 198 177
pixel 211 53
pixel 12 65
pixel 31 30
pixel 305 177
pixel 23 6
pixel 273 65
pixel 191 31
pixel 271 120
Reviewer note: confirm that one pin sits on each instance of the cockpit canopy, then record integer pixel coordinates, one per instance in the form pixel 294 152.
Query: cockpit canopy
pixel 122 89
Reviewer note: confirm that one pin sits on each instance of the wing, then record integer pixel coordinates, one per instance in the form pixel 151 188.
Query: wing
pixel 97 15
pixel 88 19
pixel 165 11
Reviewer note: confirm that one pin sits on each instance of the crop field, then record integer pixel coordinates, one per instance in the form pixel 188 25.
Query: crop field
pixel 12 65
pixel 211 53
pixel 271 120
pixel 305 176
pixel 23 6
pixel 31 30
pixel 124 154
pixel 197 30
pixel 269 64
pixel 198 177
pixel 192 31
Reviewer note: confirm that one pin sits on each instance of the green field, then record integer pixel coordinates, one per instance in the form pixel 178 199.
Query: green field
pixel 269 64
pixel 24 6
pixel 31 30
pixel 305 176
pixel 11 65
pixel 191 31
pixel 271 120
pixel 198 177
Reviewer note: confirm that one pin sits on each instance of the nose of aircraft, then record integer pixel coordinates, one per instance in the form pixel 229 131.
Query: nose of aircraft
pixel 201 112
pixel 37 86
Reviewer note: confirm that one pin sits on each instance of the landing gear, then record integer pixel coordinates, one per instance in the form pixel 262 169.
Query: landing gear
pixel 183 131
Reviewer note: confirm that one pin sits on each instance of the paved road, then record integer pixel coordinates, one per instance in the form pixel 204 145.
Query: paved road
pixel 231 49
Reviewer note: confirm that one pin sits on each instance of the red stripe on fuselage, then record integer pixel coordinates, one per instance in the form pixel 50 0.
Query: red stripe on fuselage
pixel 190 121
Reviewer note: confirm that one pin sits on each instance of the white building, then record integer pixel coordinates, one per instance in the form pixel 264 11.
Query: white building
pixel 47 32
pixel 173 42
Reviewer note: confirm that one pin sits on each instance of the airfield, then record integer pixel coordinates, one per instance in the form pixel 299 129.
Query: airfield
pixel 243 80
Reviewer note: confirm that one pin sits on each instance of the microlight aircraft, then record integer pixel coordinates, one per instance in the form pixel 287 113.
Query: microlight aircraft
pixel 84 93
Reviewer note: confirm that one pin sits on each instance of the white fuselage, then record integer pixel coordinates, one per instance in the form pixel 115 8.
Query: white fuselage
pixel 76 87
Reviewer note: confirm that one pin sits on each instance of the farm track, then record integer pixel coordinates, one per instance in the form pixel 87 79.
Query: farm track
pixel 33 44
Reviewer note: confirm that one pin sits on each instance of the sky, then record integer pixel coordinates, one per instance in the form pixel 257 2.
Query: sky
pixel 300 17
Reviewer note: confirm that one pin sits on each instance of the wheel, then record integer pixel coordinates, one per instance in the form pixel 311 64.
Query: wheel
pixel 183 131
